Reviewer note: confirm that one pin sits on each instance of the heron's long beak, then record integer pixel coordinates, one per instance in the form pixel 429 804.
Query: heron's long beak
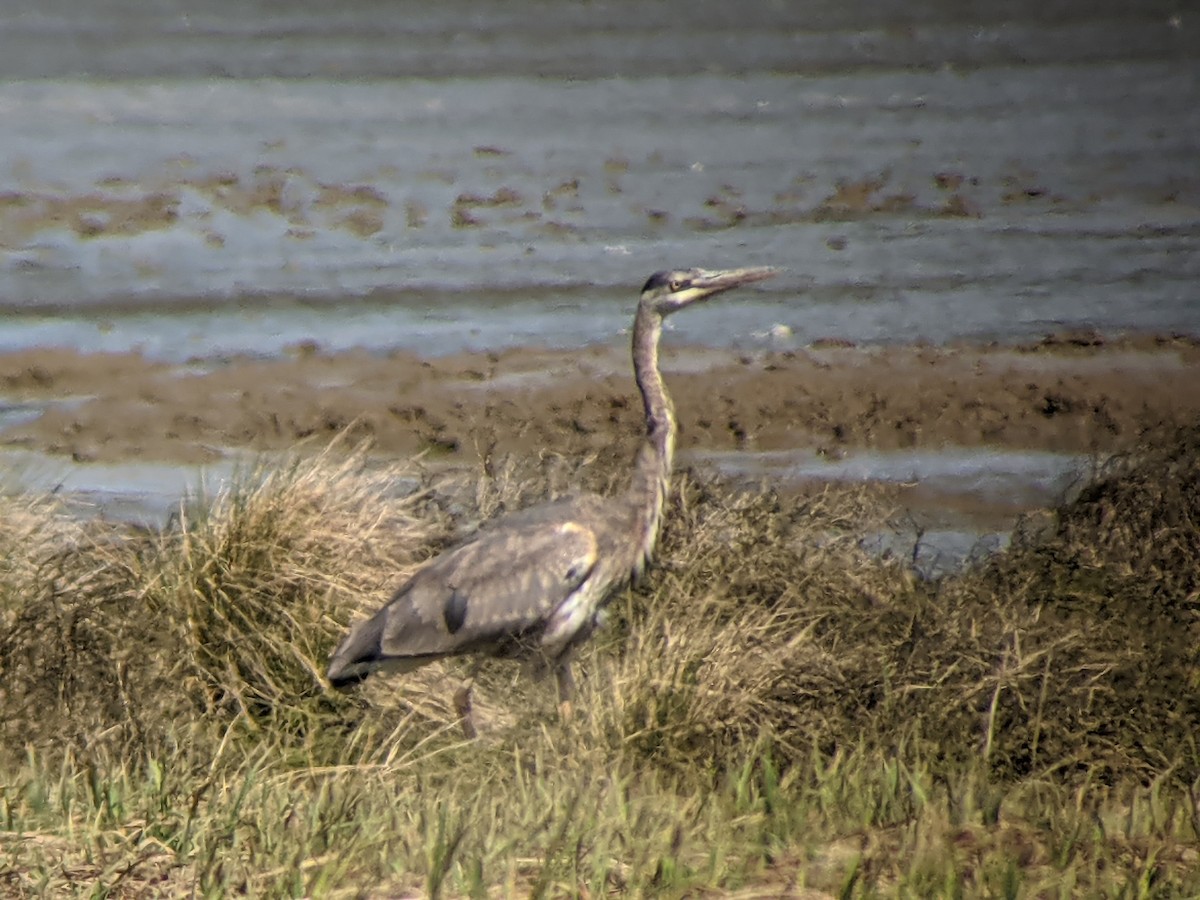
pixel 719 280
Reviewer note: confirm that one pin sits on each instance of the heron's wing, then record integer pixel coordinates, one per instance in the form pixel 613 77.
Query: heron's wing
pixel 504 583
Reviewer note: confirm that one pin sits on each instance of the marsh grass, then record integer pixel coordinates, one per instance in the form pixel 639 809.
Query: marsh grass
pixel 773 713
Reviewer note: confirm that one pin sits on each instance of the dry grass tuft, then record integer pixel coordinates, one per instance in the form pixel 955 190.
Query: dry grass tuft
pixel 252 582
pixel 228 615
pixel 63 677
pixel 720 648
pixel 773 711
pixel 1065 656
pixel 1099 625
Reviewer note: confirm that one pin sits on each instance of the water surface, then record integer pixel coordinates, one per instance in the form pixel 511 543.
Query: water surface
pixel 205 179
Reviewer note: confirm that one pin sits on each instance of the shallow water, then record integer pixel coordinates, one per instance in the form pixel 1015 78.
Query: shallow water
pixel 957 504
pixel 962 505
pixel 461 176
pixel 998 479
pixel 147 494
pixel 204 179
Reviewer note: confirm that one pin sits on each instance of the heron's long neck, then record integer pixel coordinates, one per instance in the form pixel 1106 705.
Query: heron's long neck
pixel 652 470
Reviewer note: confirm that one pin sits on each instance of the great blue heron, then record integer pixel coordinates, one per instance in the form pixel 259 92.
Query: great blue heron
pixel 532 584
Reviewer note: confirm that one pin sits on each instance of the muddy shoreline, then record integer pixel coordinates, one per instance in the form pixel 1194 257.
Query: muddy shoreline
pixel 1074 393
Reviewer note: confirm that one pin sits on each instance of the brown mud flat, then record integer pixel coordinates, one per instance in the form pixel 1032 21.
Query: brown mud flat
pixel 1067 392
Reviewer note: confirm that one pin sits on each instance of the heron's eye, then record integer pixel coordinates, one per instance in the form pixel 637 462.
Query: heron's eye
pixel 676 285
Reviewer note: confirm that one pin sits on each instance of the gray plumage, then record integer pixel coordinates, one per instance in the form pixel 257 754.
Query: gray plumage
pixel 532 584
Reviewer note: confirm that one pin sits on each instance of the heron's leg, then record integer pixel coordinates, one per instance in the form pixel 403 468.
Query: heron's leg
pixel 463 705
pixel 566 688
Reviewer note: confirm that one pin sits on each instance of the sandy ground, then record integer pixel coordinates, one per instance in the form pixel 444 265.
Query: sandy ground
pixel 1069 392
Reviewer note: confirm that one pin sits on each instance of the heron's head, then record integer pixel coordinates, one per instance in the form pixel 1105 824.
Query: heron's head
pixel 666 292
